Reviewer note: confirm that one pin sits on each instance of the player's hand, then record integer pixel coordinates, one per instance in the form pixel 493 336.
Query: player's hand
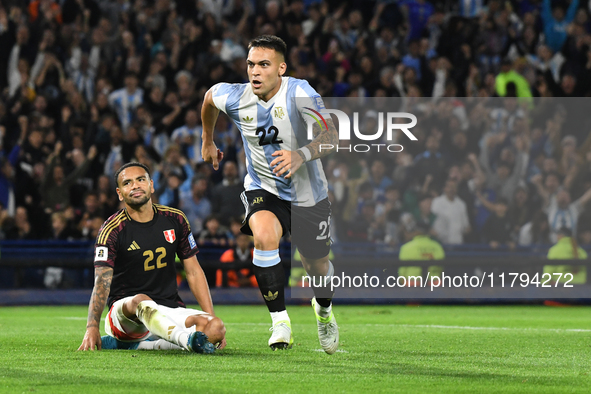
pixel 286 162
pixel 92 339
pixel 211 154
pixel 221 344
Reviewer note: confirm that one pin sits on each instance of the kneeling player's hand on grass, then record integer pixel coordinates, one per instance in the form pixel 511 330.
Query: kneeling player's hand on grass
pixel 92 339
pixel 285 163
pixel 221 344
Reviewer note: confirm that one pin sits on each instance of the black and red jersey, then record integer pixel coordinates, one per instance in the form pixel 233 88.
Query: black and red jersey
pixel 142 255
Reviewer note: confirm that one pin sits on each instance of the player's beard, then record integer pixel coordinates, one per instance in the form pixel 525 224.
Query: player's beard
pixel 138 202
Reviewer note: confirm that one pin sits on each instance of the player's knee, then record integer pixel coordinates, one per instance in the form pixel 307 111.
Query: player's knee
pixel 266 239
pixel 315 266
pixel 135 301
pixel 200 322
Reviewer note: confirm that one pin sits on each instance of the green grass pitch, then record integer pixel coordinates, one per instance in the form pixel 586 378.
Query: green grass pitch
pixel 390 349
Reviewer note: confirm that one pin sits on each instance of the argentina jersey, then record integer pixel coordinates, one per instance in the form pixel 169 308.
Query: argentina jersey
pixel 267 127
pixel 125 105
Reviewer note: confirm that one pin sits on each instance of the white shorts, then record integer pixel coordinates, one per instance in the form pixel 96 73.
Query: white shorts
pixel 121 327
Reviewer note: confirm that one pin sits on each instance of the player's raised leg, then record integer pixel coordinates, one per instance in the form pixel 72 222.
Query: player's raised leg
pixel 267 233
pixel 328 331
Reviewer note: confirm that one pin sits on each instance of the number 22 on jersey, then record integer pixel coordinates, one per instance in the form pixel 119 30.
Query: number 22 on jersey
pixel 161 251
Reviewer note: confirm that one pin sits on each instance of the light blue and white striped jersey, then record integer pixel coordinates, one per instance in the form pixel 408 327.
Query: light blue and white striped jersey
pixel 471 8
pixel 125 105
pixel 193 150
pixel 267 127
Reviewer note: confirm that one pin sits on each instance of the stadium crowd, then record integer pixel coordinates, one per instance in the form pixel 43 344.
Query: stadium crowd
pixel 88 85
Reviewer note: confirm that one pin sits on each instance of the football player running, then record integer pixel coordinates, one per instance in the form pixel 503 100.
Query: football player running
pixel 285 187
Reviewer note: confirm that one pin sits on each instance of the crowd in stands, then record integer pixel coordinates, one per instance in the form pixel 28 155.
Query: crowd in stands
pixel 89 85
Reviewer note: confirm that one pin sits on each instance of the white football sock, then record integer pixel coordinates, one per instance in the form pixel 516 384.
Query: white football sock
pixel 323 311
pixel 160 344
pixel 279 316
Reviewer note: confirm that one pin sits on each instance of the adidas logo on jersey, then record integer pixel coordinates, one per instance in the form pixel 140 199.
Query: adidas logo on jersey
pixel 133 246
pixel 271 296
pixel 247 119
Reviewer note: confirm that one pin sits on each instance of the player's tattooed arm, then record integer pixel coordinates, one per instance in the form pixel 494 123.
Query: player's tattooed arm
pixel 324 143
pixel 102 286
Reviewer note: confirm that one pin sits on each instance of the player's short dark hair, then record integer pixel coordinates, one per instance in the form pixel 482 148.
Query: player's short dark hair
pixel 130 164
pixel 269 42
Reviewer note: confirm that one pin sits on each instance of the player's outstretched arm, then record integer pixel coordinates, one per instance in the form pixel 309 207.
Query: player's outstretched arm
pixel 324 143
pixel 209 115
pixel 198 284
pixel 102 286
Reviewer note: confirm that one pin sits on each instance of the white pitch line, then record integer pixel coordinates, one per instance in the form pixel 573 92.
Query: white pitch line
pixel 437 326
pixel 433 326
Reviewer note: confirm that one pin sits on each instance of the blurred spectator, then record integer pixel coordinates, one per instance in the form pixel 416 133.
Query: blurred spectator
pixel 497 230
pixel 421 216
pixel 505 180
pixel 547 188
pixel 173 161
pixel 510 83
pixel 240 257
pixel 126 100
pixel 188 137
pixel 420 247
pixel 225 197
pixel 107 196
pixel 520 210
pixel 430 162
pixel 536 231
pixel 212 232
pixel 177 184
pixel 7 178
pixel 234 228
pixel 61 230
pixel 452 216
pixel 379 180
pixel 18 227
pixel 56 185
pixel 556 21
pixel 363 227
pixel 567 248
pixel 562 213
pixel 92 209
pixel 54 276
pixel 195 204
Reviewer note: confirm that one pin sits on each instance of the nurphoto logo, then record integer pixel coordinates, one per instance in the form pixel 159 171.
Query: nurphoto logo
pixel 389 118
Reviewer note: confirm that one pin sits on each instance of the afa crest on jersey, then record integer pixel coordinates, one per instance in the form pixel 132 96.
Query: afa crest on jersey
pixel 169 236
pixel 279 113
